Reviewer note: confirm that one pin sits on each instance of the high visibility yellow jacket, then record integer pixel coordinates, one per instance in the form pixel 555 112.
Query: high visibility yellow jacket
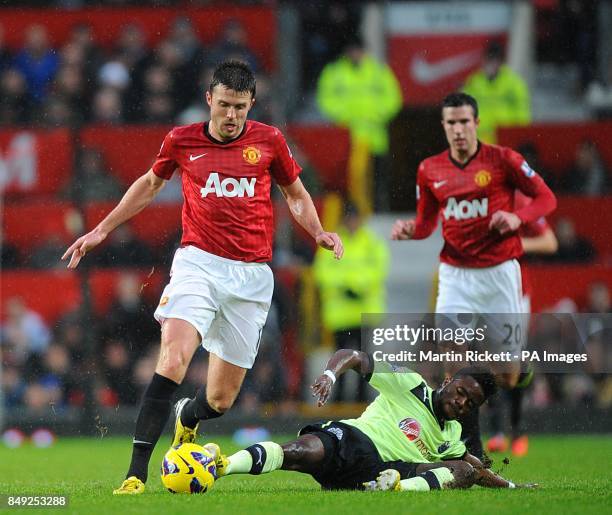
pixel 356 283
pixel 502 102
pixel 363 97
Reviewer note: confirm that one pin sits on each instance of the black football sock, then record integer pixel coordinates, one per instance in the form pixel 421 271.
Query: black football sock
pixel 470 433
pixel 198 409
pixel 496 403
pixel 153 415
pixel 516 411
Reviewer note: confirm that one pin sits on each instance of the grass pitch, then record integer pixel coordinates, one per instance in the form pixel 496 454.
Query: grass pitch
pixel 574 474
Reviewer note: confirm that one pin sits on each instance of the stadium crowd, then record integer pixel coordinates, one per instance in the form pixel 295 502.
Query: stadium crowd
pixel 81 83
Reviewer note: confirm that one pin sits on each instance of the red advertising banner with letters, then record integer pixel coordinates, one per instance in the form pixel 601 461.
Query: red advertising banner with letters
pixel 259 24
pixel 35 161
pixel 432 46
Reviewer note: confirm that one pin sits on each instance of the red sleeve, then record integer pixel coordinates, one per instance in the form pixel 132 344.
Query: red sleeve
pixel 523 178
pixel 165 164
pixel 427 207
pixel 283 168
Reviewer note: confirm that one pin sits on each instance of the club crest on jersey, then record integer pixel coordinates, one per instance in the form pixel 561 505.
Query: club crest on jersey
pixel 411 428
pixel 483 178
pixel 466 209
pixel 527 170
pixel 251 155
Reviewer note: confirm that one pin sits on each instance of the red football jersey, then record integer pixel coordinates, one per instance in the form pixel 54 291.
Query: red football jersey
pixel 227 209
pixel 528 230
pixel 466 195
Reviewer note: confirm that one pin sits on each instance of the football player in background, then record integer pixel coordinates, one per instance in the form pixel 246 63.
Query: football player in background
pixel 472 186
pixel 220 288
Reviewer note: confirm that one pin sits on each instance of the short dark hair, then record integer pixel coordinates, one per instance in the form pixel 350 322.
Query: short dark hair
pixel 234 75
pixel 482 376
pixel 459 100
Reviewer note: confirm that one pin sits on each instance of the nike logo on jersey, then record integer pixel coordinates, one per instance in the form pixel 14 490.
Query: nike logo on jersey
pixel 439 184
pixel 193 158
pixel 466 209
pixel 228 187
pixel 425 72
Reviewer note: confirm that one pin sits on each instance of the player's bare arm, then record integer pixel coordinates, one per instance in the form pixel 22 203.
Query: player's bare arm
pixel 545 243
pixel 487 478
pixel 340 362
pixel 303 210
pixel 138 196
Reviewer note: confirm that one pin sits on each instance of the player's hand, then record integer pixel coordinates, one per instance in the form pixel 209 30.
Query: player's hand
pixel 403 229
pixel 84 244
pixel 322 388
pixel 504 222
pixel 330 241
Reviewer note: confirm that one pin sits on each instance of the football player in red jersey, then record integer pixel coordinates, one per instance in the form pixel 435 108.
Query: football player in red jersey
pixel 471 187
pixel 220 288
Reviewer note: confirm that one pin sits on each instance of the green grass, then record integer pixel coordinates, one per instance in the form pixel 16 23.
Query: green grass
pixel 574 473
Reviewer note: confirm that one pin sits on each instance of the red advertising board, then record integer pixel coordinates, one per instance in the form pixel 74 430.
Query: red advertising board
pixel 433 46
pixel 34 161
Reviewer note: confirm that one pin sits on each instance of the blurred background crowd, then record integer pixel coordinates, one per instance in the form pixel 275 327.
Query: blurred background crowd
pixel 86 97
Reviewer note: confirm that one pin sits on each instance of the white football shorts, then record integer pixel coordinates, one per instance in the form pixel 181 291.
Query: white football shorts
pixel 227 301
pixel 494 292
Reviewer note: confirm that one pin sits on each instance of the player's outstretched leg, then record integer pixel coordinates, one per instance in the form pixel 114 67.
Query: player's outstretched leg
pixel 434 476
pixel 178 343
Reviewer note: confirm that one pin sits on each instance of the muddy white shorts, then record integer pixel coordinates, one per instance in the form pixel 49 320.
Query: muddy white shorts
pixel 493 292
pixel 226 301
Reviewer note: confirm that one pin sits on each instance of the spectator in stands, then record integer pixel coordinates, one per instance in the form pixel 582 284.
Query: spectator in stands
pixel 587 175
pixel 129 319
pixel 356 287
pixel 24 333
pixel 37 61
pixel 599 298
pixel 502 95
pixel 572 247
pixel 6 57
pixel 92 181
pixel 13 386
pixel 107 107
pixel 69 86
pixel 57 371
pixel 16 104
pixel 45 254
pixel 116 371
pixel 9 254
pixel 82 36
pixel 234 44
pixel 362 94
pixel 125 250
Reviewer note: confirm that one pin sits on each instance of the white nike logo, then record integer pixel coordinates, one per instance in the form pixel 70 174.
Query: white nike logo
pixel 193 158
pixel 260 456
pixel 141 441
pixel 437 184
pixel 425 72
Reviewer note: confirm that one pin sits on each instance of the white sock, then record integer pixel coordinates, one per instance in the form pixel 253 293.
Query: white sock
pixel 433 479
pixel 260 458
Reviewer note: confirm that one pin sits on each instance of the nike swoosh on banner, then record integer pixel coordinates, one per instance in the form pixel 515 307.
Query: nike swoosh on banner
pixel 425 72
pixel 193 158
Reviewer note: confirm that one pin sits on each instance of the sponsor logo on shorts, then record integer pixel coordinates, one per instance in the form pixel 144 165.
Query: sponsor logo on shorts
pixel 483 178
pixel 251 155
pixel 336 431
pixel 164 301
pixel 411 428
